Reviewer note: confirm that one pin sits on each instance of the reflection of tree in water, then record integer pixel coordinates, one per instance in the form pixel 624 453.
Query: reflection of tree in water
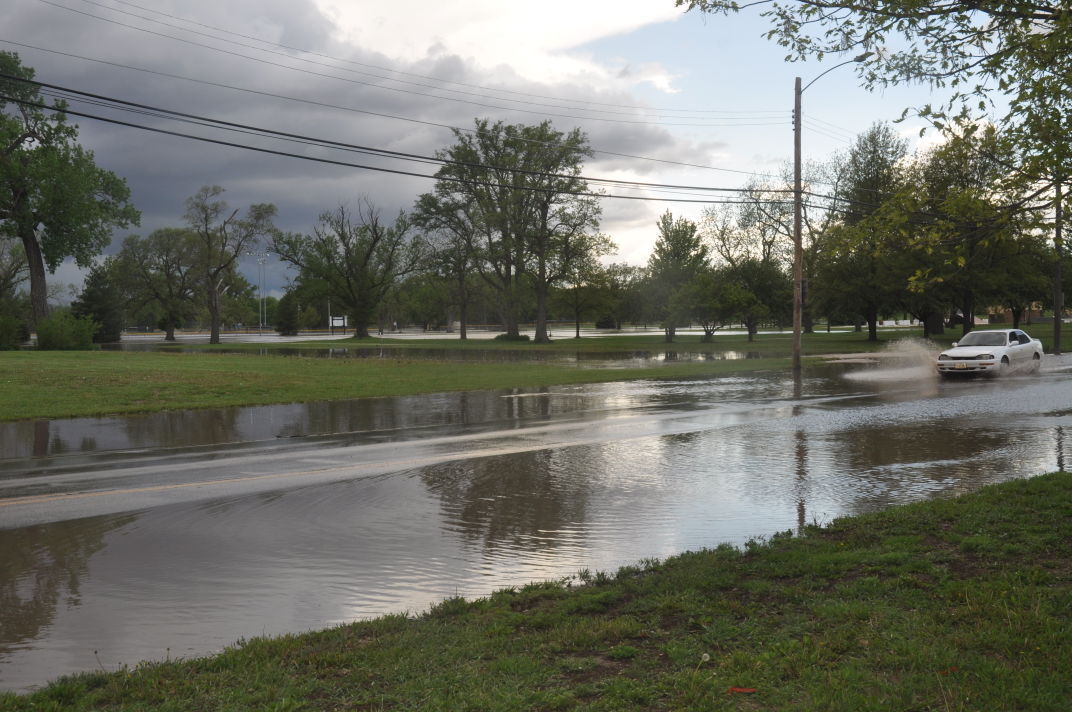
pixel 522 501
pixel 39 567
pixel 896 460
pixel 177 428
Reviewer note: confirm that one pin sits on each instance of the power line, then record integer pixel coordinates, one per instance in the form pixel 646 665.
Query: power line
pixel 145 109
pixel 326 105
pixel 387 69
pixel 396 89
pixel 329 161
pixel 737 114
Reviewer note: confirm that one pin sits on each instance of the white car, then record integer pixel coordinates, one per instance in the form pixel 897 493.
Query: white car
pixel 991 351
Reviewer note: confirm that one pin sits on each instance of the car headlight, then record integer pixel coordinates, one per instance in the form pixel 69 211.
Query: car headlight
pixel 944 357
pixel 985 357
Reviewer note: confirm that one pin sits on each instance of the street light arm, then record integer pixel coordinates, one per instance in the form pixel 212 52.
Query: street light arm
pixel 856 59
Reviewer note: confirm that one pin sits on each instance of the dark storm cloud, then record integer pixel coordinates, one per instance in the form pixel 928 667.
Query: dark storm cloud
pixel 163 171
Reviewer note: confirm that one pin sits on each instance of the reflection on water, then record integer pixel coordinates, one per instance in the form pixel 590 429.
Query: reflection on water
pixel 41 571
pixel 719 460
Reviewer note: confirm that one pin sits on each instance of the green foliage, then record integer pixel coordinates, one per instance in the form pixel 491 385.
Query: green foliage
pixel 354 258
pixel 513 337
pixel 288 320
pixel 679 255
pixel 160 272
pixel 63 331
pixel 510 199
pixel 56 201
pixel 13 332
pixel 222 237
pixel 102 301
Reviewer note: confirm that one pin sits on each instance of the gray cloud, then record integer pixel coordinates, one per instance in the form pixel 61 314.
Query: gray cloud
pixel 163 170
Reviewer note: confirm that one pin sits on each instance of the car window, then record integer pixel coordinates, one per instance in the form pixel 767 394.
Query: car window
pixel 983 338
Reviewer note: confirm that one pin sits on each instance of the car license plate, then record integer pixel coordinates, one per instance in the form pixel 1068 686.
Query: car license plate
pixel 961 365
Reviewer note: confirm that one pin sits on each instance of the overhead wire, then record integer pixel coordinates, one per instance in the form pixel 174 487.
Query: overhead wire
pixel 112 102
pixel 466 181
pixel 367 112
pixel 397 71
pixel 727 123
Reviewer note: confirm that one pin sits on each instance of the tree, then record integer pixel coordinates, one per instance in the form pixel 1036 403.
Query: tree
pixel 519 192
pixel 761 291
pixel 1019 49
pixel 679 255
pixel 712 299
pixel 288 319
pixel 162 270
pixel 53 197
pixel 452 250
pixel 961 233
pixel 856 269
pixel 102 301
pixel 222 237
pixel 13 270
pixel 625 294
pixel 355 256
pixel 583 291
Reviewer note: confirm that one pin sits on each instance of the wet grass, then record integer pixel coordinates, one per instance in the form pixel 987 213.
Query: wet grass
pixel 43 384
pixel 952 604
pixel 767 344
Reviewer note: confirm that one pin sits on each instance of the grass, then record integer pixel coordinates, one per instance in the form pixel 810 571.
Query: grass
pixel 42 384
pixel 773 344
pixel 51 384
pixel 952 604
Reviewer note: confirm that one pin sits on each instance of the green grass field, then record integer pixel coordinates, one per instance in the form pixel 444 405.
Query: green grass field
pixel 50 384
pixel 953 604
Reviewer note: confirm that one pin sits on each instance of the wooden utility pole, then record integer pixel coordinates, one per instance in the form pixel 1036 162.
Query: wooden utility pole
pixel 1058 290
pixel 798 247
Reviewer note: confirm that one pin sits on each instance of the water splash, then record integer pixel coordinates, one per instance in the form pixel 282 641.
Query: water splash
pixel 904 360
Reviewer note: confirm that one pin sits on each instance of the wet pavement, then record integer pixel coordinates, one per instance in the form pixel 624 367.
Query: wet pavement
pixel 176 534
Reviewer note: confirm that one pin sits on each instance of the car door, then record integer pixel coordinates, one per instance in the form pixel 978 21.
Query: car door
pixel 1018 347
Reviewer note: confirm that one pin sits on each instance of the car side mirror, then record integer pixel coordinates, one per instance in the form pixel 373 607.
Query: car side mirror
pixel 954 344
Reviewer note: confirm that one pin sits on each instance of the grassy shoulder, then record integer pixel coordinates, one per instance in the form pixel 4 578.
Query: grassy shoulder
pixel 44 384
pixel 953 604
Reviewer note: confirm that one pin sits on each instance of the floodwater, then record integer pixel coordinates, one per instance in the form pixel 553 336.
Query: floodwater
pixel 176 534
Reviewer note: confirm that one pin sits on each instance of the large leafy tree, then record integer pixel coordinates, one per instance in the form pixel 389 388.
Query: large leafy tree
pixel 222 237
pixel 355 257
pixel 964 238
pixel 102 300
pixel 162 271
pixel 519 190
pixel 53 197
pixel 680 254
pixel 856 270
pixel 12 269
pixel 451 229
pixel 1020 49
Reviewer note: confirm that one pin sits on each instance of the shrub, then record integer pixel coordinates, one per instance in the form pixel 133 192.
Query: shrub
pixel 63 331
pixel 12 332
pixel 508 337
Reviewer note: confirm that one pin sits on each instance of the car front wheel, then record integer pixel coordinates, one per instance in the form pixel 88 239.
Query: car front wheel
pixel 1036 363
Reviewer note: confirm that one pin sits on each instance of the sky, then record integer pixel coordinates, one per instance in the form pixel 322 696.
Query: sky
pixel 653 88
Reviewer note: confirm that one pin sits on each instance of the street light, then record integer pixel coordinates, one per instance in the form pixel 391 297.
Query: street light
pixel 798 248
pixel 262 311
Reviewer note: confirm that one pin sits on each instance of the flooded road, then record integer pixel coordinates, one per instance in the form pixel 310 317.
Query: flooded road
pixel 176 534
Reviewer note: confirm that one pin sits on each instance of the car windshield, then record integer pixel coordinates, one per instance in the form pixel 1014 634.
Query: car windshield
pixel 983 338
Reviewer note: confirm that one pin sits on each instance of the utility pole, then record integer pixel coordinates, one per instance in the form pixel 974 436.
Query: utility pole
pixel 798 247
pixel 1058 289
pixel 798 209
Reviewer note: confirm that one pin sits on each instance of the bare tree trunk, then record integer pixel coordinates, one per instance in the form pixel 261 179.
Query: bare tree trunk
pixel 38 288
pixel 214 315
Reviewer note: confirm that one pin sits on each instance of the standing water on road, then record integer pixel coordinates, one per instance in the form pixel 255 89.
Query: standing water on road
pixel 176 534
